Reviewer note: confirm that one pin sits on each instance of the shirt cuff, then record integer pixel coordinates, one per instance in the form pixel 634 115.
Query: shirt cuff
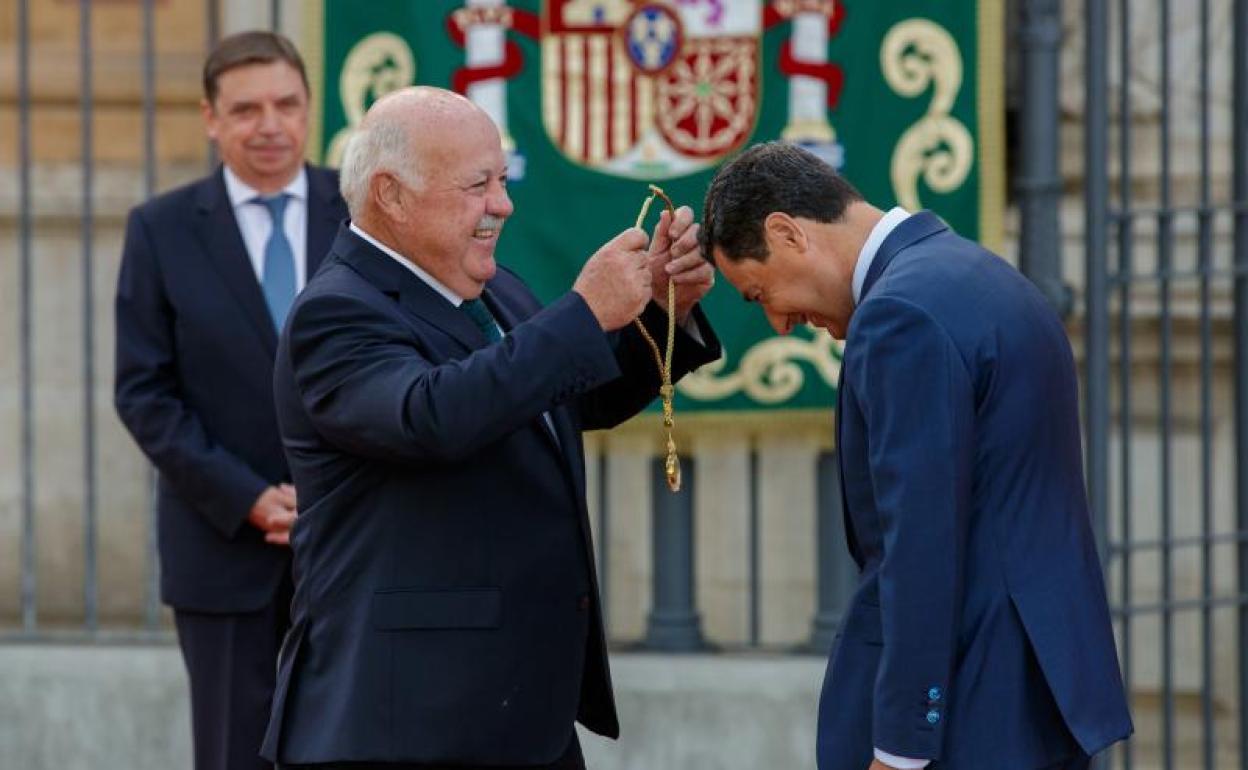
pixel 901 763
pixel 691 328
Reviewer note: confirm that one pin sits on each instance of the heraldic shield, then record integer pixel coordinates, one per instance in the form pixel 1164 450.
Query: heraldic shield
pixel 647 89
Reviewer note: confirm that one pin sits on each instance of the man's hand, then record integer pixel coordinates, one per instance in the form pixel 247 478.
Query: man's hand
pixel 615 282
pixel 274 513
pixel 674 254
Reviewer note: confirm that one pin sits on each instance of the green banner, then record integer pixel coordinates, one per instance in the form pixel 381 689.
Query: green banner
pixel 597 98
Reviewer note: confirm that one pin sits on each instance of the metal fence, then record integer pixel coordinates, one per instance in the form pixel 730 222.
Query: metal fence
pixel 673 621
pixel 1141 303
pixel 151 626
pixel 1161 299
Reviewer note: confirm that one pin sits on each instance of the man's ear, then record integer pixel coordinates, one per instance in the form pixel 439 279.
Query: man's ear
pixel 780 229
pixel 387 195
pixel 209 114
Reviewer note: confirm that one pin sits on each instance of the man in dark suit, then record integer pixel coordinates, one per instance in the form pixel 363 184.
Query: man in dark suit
pixel 979 635
pixel 446 608
pixel 208 275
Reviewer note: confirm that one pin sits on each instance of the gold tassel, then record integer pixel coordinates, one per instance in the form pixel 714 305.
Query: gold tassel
pixel 667 392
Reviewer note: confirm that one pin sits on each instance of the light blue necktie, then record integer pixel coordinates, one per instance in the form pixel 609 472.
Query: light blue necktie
pixel 279 262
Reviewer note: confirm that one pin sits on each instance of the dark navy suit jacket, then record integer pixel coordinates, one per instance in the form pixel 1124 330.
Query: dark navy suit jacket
pixel 194 373
pixel 446 606
pixel 979 634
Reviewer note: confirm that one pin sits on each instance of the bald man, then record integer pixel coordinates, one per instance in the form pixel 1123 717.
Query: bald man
pixel 446 610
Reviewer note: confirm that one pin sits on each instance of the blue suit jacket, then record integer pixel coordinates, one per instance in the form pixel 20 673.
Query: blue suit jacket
pixel 193 384
pixel 979 634
pixel 446 606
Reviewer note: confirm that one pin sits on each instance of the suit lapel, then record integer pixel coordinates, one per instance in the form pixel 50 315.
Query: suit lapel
pixel 415 296
pixel 564 441
pixel 563 435
pixel 909 232
pixel 324 204
pixel 218 230
pixel 421 300
pixel 914 229
pixel 850 539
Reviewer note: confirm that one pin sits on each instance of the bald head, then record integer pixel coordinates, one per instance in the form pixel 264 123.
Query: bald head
pixel 407 133
pixel 425 175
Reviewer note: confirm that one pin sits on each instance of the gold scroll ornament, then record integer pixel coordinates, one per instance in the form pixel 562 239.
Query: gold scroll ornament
pixel 375 66
pixel 915 55
pixel 671 464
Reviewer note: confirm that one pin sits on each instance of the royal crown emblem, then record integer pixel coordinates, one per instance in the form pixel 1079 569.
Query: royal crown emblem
pixel 651 89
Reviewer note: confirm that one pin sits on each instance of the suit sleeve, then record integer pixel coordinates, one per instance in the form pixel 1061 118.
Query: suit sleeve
pixel 918 404
pixel 616 401
pixel 367 386
pixel 148 396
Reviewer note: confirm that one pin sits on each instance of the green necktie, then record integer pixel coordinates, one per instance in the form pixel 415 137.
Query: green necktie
pixel 480 315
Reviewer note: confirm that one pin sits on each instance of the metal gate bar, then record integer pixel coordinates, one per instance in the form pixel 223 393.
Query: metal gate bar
pixel 1123 215
pixel 90 597
pixel 151 599
pixel 1205 266
pixel 29 586
pixel 1239 155
pixel 1165 261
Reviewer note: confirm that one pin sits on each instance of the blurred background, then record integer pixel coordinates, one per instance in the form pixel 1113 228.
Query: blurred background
pixel 1101 146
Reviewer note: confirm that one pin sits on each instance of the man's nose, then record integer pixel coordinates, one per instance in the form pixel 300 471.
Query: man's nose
pixel 500 204
pixel 269 122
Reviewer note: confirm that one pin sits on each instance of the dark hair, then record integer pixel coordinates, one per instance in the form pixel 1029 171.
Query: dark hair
pixel 256 47
pixel 769 177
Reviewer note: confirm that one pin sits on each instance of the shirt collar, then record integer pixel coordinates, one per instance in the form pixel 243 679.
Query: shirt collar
pixel 240 192
pixel 887 223
pixel 434 283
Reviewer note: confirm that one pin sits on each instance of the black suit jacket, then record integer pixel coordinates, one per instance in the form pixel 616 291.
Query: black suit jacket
pixel 446 608
pixel 195 347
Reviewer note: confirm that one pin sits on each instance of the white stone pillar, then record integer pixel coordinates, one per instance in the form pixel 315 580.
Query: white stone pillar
pixel 485 45
pixel 808 97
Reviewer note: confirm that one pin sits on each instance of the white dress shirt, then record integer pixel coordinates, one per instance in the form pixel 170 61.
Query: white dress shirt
pixel 866 256
pixel 256 224
pixel 433 283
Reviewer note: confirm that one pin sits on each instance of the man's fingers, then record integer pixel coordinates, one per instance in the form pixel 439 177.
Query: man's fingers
pixel 680 223
pixel 662 239
pixel 688 243
pixel 687 263
pixel 284 495
pixel 632 239
pixel 278 538
pixel 282 520
pixel 695 277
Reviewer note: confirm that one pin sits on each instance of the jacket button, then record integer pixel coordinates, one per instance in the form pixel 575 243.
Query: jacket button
pixel 933 694
pixel 583 603
pixel 933 717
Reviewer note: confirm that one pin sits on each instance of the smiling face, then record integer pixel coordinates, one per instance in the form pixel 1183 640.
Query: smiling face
pixel 798 282
pixel 259 121
pixel 451 224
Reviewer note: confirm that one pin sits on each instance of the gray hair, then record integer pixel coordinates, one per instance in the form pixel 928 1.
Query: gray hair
pixel 383 146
